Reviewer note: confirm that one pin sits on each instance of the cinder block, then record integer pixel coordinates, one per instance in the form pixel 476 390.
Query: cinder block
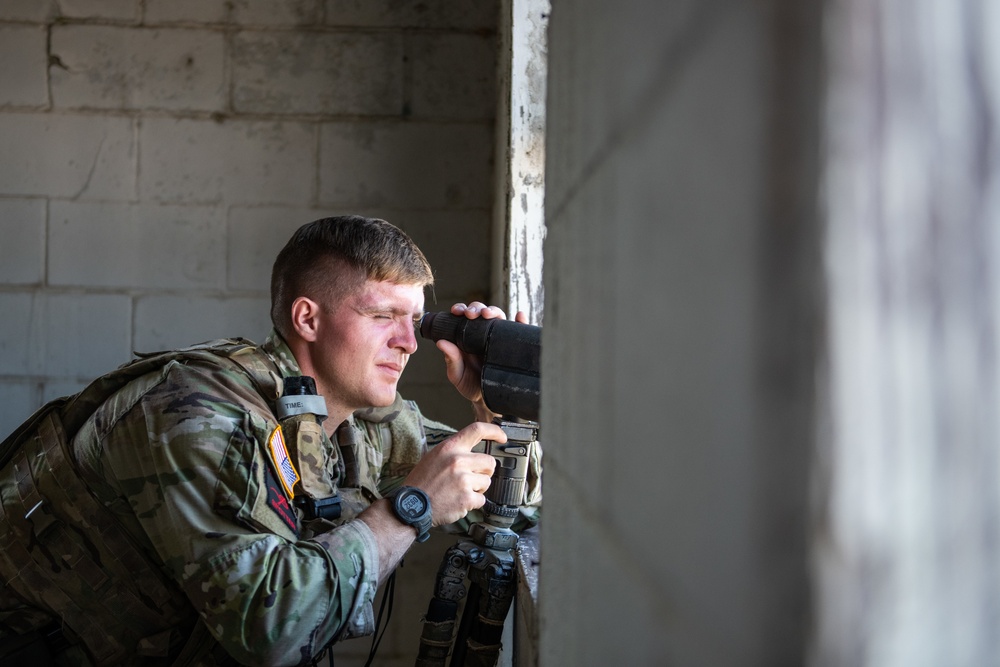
pixel 86 335
pixel 53 389
pixel 256 236
pixel 239 12
pixel 64 335
pixel 389 13
pixel 27 10
pixel 420 165
pixel 453 75
pixel 457 245
pixel 239 162
pixel 66 156
pixel 185 11
pixel 18 399
pixel 136 246
pixel 167 322
pixel 276 12
pixel 23 66
pixel 308 72
pixel 108 67
pixel 22 252
pixel 18 328
pixel 123 10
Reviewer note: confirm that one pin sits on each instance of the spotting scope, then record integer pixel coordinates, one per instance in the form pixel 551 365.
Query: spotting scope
pixel 511 354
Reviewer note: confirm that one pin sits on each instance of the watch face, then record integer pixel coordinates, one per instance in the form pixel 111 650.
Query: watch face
pixel 412 504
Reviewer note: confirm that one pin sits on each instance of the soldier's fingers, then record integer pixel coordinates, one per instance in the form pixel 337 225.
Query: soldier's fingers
pixel 481 483
pixel 470 436
pixel 478 309
pixel 483 465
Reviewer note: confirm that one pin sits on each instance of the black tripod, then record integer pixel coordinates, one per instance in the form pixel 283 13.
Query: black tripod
pixel 487 560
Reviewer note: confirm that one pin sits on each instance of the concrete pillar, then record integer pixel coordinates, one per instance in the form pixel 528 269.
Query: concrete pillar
pixel 519 211
pixel 681 288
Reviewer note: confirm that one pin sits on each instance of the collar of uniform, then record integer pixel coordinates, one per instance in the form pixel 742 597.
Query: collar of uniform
pixel 277 349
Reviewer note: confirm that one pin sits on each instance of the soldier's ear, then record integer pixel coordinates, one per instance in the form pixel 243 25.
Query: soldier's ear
pixel 305 318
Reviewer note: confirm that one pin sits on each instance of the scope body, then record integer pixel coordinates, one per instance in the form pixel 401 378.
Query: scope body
pixel 511 353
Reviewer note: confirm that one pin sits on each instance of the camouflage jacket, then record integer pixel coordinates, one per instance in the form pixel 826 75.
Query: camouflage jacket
pixel 188 459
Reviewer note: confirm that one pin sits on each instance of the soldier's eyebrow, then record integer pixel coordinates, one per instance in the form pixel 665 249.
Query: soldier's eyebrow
pixel 375 306
pixel 384 308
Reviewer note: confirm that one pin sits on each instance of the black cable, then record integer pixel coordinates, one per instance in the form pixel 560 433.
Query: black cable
pixel 390 590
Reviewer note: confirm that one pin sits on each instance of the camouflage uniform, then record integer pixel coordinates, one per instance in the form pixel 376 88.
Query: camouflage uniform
pixel 180 457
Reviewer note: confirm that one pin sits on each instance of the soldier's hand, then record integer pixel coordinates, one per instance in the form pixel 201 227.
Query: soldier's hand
pixel 453 476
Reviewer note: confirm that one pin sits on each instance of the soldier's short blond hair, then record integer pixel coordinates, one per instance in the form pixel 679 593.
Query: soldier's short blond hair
pixel 329 258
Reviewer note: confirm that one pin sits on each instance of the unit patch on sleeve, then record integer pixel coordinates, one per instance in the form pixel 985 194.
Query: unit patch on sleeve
pixel 282 463
pixel 278 502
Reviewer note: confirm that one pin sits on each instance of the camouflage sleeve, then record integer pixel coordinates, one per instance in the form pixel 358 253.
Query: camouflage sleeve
pixel 189 459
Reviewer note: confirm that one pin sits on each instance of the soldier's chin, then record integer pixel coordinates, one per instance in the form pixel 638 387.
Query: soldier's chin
pixel 386 401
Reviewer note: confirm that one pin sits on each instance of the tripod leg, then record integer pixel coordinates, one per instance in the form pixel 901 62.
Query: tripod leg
pixel 490 596
pixel 488 562
pixel 470 612
pixel 449 588
pixel 435 643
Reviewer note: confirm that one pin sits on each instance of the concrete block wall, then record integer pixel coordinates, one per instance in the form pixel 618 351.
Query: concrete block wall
pixel 156 154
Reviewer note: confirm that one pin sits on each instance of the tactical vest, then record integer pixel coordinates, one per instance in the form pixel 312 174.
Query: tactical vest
pixel 65 560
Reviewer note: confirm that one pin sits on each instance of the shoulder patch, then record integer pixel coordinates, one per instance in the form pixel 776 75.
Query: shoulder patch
pixel 282 463
pixel 278 502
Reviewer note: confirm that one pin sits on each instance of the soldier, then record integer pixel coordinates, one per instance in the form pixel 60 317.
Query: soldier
pixel 183 511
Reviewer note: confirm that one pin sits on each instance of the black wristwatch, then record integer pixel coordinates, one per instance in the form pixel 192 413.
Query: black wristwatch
pixel 413 507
